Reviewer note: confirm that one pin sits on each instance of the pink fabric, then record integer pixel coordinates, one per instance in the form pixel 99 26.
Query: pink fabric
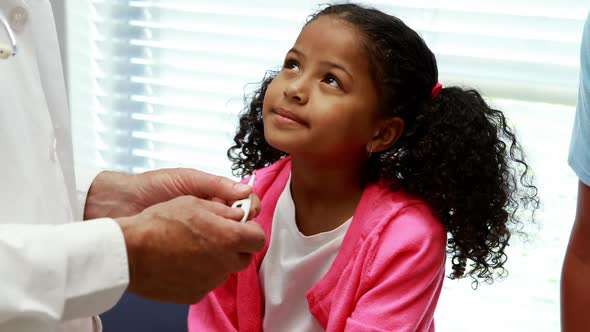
pixel 387 276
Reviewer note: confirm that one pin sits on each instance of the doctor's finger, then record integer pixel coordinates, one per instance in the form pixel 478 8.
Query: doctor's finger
pixel 255 207
pixel 219 209
pixel 240 261
pixel 247 237
pixel 207 186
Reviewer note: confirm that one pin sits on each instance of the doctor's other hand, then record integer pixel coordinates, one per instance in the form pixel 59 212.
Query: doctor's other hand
pixel 115 194
pixel 180 250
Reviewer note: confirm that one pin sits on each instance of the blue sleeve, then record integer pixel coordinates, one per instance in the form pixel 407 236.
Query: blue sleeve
pixel 579 154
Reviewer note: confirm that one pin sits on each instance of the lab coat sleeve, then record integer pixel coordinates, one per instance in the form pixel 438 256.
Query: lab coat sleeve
pixel 84 179
pixel 60 272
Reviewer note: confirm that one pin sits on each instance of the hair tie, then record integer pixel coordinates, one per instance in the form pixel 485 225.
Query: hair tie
pixel 436 90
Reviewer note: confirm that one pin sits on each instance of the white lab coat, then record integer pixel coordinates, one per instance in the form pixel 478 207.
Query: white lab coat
pixel 51 276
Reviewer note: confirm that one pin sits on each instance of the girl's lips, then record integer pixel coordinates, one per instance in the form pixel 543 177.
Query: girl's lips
pixel 285 113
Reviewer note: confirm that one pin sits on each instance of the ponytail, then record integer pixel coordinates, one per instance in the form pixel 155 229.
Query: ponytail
pixel 462 158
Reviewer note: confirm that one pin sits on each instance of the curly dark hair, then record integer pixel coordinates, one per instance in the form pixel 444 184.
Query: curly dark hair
pixel 456 153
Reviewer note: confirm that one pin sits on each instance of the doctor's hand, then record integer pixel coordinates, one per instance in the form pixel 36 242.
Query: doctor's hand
pixel 114 194
pixel 181 249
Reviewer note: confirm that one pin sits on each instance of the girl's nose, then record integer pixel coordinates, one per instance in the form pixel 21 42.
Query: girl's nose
pixel 296 91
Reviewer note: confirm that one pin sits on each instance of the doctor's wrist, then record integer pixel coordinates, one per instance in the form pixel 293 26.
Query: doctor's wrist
pixel 110 195
pixel 133 242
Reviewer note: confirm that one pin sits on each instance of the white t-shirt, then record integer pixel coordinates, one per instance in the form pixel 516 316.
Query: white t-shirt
pixel 293 264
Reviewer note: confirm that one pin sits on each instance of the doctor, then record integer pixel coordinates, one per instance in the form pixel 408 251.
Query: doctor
pixel 165 235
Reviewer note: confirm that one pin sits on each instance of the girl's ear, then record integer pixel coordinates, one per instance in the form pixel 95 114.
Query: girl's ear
pixel 388 132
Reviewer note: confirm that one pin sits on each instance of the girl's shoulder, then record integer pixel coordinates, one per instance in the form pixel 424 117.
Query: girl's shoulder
pixel 394 213
pixel 404 226
pixel 392 230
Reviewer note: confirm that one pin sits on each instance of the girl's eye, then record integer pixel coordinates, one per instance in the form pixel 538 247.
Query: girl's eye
pixel 291 65
pixel 332 81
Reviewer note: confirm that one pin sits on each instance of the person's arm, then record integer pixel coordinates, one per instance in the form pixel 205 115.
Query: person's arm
pixel 575 279
pixel 59 272
pixel 174 251
pixel 575 274
pixel 403 278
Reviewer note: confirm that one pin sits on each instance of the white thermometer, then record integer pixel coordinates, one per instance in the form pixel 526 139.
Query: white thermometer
pixel 246 203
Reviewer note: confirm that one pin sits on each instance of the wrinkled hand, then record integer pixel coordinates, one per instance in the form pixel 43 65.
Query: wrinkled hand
pixel 181 235
pixel 181 249
pixel 114 194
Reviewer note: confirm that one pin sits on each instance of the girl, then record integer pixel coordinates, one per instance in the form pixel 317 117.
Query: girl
pixel 364 164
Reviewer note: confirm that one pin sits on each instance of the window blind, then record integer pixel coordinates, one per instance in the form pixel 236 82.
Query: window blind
pixel 158 83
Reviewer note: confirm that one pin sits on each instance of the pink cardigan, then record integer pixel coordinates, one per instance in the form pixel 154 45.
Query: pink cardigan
pixel 387 275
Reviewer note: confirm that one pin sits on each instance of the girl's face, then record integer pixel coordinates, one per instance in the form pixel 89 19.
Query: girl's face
pixel 323 103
